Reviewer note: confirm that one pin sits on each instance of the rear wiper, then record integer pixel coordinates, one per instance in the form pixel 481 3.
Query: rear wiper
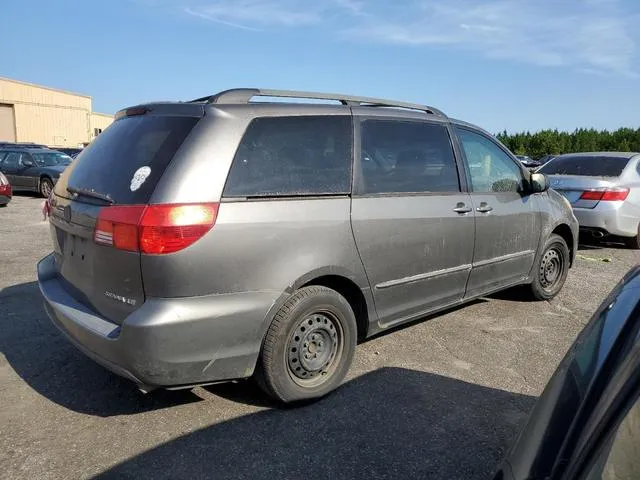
pixel 91 193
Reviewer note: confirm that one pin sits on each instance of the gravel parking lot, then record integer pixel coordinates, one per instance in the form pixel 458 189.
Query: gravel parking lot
pixel 442 398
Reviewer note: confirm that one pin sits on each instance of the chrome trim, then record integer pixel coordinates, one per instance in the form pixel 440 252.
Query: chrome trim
pixel 510 256
pixel 422 276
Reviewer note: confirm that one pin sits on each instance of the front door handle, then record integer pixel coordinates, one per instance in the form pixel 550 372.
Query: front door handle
pixel 484 208
pixel 461 208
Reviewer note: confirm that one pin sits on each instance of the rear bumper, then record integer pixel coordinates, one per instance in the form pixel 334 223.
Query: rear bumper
pixel 166 342
pixel 608 217
pixel 4 199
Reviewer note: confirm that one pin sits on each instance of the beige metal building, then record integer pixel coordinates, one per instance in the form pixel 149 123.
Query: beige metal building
pixel 33 113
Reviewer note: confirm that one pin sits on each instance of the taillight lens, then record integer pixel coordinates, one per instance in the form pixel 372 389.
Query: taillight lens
pixel 154 229
pixel 610 194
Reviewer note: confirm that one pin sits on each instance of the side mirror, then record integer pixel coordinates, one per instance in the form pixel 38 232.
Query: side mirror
pixel 539 183
pixel 28 163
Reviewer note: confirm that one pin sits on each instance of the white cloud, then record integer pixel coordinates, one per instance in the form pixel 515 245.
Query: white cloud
pixel 590 35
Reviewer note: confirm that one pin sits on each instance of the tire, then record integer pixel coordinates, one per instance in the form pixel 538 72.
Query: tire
pixel 314 322
pixel 633 242
pixel 46 186
pixel 551 269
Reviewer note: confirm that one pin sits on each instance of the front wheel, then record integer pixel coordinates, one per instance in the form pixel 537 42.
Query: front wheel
pixel 552 269
pixel 309 346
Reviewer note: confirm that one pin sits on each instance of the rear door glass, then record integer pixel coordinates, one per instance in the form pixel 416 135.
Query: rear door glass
pixel 588 166
pixel 292 156
pixel 126 161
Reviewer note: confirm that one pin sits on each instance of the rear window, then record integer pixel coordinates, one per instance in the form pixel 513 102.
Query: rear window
pixel 292 156
pixel 126 161
pixel 593 166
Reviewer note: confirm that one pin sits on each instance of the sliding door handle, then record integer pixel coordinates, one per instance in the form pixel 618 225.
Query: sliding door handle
pixel 462 208
pixel 484 208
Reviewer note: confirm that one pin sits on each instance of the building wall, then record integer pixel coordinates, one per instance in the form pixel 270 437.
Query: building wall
pixel 49 116
pixel 100 121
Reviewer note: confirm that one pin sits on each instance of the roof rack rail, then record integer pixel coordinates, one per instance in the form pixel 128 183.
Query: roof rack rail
pixel 244 95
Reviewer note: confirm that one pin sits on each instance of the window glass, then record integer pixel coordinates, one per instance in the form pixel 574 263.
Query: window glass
pixel 407 157
pixel 591 166
pixel 128 159
pixel 491 169
pixel 282 156
pixel 11 160
pixel 51 159
pixel 619 458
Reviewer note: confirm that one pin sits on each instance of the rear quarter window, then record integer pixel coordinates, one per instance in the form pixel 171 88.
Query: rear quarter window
pixel 588 166
pixel 293 156
pixel 110 163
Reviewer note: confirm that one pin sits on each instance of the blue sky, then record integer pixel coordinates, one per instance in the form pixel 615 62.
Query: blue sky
pixel 502 64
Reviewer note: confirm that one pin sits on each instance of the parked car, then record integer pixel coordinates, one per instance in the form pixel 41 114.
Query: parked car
pixel 586 423
pixel 528 161
pixel 204 241
pixel 545 159
pixel 21 145
pixel 33 169
pixel 5 191
pixel 604 191
pixel 71 151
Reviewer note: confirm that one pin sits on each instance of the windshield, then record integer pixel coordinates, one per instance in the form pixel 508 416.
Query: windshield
pixel 51 159
pixel 588 166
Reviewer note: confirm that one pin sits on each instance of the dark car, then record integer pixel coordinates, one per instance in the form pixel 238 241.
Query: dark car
pixel 5 191
pixel 21 145
pixel 586 424
pixel 33 169
pixel 528 161
pixel 546 158
pixel 71 151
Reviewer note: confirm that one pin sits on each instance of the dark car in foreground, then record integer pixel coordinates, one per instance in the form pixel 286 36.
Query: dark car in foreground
pixel 586 423
pixel 212 240
pixel 5 191
pixel 33 169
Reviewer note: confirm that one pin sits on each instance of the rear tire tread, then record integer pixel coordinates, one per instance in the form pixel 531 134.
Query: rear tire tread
pixel 266 371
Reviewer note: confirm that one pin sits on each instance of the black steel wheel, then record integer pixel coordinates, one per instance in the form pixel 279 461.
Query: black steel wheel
pixel 552 268
pixel 309 346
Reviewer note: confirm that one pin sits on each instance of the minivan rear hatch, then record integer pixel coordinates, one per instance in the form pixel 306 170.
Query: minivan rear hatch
pixel 121 167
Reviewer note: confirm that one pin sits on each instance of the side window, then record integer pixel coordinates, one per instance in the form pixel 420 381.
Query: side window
pixel 23 157
pixel 619 458
pixel 491 169
pixel 281 156
pixel 11 160
pixel 407 157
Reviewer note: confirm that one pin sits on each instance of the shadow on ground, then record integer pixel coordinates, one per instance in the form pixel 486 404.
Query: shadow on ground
pixel 50 365
pixel 391 423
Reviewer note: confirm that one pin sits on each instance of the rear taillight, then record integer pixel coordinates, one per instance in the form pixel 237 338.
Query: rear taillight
pixel 606 195
pixel 154 229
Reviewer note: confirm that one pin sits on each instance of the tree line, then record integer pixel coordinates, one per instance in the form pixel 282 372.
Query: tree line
pixel 553 142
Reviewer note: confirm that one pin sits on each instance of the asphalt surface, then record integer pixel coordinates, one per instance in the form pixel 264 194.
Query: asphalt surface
pixel 442 398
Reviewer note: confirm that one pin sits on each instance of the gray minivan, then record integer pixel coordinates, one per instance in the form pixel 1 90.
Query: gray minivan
pixel 217 239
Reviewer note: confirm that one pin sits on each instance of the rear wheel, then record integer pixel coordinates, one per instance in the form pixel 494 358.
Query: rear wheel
pixel 309 346
pixel 552 269
pixel 633 242
pixel 46 186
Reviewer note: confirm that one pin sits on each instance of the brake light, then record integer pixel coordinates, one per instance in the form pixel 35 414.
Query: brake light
pixel 154 229
pixel 606 195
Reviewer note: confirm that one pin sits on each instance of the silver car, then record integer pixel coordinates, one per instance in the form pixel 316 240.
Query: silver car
pixel 219 239
pixel 604 191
